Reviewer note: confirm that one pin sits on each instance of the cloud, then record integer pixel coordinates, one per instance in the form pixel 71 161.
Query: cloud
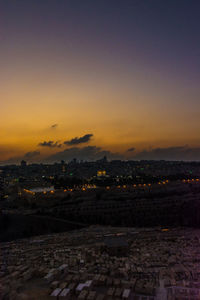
pixel 131 149
pixel 54 126
pixel 31 154
pixel 79 140
pixel 50 144
pixel 90 153
pixel 170 153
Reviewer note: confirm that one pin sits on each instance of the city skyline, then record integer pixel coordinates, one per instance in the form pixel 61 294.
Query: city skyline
pixel 121 76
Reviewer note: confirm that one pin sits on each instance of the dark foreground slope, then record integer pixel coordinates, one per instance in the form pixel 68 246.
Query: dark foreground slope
pixel 15 226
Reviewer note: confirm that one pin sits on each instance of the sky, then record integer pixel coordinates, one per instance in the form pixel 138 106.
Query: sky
pixel 88 78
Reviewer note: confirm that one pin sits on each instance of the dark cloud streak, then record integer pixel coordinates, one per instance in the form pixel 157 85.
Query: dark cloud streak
pixel 54 126
pixel 79 140
pixel 50 144
pixel 131 149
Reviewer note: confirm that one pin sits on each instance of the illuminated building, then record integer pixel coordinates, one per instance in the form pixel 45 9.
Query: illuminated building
pixel 101 173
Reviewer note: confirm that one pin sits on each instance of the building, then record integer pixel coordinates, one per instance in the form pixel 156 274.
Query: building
pixel 23 163
pixel 101 173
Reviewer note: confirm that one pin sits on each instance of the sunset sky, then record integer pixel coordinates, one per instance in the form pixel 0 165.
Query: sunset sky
pixel 120 76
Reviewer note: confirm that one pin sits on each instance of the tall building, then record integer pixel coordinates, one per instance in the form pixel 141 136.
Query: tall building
pixel 23 163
